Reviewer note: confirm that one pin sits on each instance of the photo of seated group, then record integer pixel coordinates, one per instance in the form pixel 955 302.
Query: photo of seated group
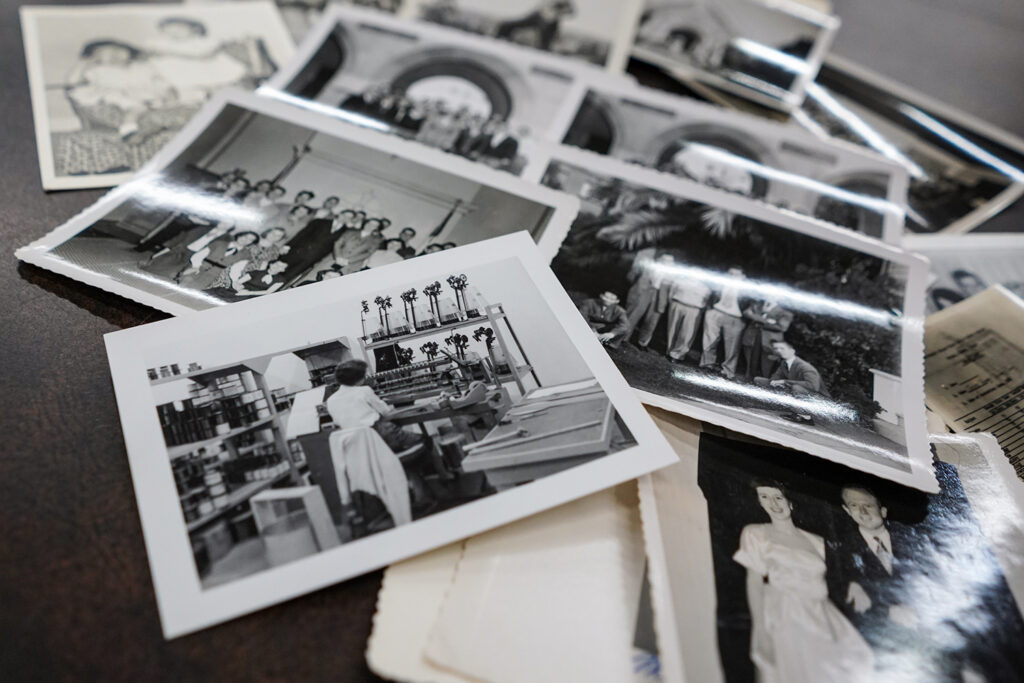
pixel 262 196
pixel 719 309
pixel 287 435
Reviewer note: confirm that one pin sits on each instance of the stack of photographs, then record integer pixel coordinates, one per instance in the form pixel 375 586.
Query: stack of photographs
pixel 530 245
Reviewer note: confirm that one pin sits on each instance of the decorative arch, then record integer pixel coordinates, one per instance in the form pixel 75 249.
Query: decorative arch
pixel 502 84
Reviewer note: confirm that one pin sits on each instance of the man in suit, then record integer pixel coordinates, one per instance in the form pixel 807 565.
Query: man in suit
pixel 724 323
pixel 648 298
pixel 688 297
pixel 606 318
pixel 767 321
pixel 794 375
pixel 869 564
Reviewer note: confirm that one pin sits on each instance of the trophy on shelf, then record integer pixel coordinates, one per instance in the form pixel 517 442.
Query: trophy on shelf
pixel 458 283
pixel 409 298
pixel 430 350
pixel 404 355
pixel 433 294
pixel 460 342
pixel 497 356
pixel 383 304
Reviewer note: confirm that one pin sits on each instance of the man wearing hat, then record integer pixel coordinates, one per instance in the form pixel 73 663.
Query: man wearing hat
pixel 606 318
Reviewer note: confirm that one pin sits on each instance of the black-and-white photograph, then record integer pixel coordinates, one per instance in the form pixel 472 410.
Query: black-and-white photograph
pixel 966 265
pixel 962 172
pixel 765 51
pixel 112 84
pixel 599 32
pixel 413 405
pixel 260 196
pixel 821 573
pixel 746 155
pixel 742 315
pixel 302 15
pixel 462 94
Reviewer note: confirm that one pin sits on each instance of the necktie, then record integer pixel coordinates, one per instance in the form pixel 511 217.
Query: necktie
pixel 883 554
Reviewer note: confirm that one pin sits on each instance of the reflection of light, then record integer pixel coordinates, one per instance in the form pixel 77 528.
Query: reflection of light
pixel 769 54
pixel 868 134
pixel 350 117
pixel 818 406
pixel 962 143
pixel 871 203
pixel 783 294
pixel 185 199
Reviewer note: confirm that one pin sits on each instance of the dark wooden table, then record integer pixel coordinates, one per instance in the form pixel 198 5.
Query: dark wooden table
pixel 76 600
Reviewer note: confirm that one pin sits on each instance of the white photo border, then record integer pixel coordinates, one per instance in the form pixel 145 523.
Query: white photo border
pixel 185 607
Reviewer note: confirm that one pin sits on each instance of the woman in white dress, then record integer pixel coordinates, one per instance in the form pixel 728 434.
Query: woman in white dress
pixel 797 634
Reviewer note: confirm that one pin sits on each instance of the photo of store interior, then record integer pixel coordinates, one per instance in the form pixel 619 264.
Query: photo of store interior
pixel 477 377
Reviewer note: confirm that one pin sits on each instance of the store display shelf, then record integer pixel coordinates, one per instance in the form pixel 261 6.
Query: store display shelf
pixel 186 448
pixel 237 497
pixel 427 332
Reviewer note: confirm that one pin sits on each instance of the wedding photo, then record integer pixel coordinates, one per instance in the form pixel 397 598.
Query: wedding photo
pixel 793 568
pixel 111 85
pixel 443 88
pixel 739 314
pixel 962 172
pixel 260 196
pixel 599 32
pixel 966 265
pixel 744 154
pixel 318 436
pixel 766 51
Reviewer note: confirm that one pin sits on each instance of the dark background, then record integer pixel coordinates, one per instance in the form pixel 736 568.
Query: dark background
pixel 76 599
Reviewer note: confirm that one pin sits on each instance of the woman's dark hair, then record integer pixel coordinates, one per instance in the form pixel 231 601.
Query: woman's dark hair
pixel 309 192
pixel 759 483
pixel 297 208
pixel 90 48
pixel 350 372
pixel 410 229
pixel 378 221
pixel 384 245
pixel 270 230
pixel 196 26
pixel 268 183
pixel 249 233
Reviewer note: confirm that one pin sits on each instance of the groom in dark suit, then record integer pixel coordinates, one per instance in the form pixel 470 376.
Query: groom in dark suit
pixel 868 566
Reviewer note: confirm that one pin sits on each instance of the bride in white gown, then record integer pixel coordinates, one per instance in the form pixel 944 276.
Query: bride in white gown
pixel 798 635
